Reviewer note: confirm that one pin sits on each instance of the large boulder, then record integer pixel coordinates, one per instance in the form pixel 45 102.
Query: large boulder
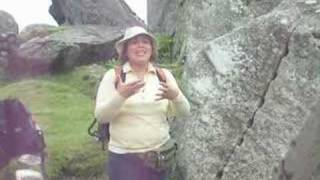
pixel 207 20
pixel 226 85
pixel 36 30
pixel 162 15
pixel 9 42
pixel 69 46
pixel 245 82
pixel 106 12
pixel 292 98
pixel 200 22
pixel 218 15
pixel 8 23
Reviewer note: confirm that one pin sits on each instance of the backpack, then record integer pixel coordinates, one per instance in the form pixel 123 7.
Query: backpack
pixel 18 132
pixel 101 132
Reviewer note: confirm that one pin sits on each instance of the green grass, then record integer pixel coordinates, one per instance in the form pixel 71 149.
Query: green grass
pixel 165 46
pixel 167 58
pixel 85 79
pixel 64 113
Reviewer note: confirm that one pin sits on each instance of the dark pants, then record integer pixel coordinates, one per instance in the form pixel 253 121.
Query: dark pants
pixel 131 167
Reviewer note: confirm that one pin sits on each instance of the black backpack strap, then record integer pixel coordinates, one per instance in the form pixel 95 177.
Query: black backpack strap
pixel 123 75
pixel 119 71
pixel 162 78
pixel 92 132
pixel 161 75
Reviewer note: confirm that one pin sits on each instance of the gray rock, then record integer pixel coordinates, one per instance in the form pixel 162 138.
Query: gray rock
pixel 227 85
pixel 287 108
pixel 214 14
pixel 106 12
pixel 8 23
pixel 36 30
pixel 258 8
pixel 303 160
pixel 162 16
pixel 70 46
pixel 9 42
pixel 209 19
pixel 231 69
pixel 200 22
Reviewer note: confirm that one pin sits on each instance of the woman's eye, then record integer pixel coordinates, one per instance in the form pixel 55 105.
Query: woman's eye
pixel 140 40
pixel 134 41
pixel 145 41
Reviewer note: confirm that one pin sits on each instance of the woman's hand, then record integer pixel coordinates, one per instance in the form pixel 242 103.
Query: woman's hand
pixel 129 89
pixel 167 92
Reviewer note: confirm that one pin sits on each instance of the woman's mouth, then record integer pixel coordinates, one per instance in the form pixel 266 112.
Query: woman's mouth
pixel 140 53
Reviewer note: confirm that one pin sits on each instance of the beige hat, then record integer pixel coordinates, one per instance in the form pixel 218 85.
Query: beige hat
pixel 130 33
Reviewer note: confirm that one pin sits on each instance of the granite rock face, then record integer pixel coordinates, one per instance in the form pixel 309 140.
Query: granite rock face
pixel 227 84
pixel 213 14
pixel 162 16
pixel 102 12
pixel 290 103
pixel 303 160
pixel 252 75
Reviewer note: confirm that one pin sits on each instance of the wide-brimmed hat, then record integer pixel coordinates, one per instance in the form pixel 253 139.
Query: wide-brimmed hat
pixel 131 33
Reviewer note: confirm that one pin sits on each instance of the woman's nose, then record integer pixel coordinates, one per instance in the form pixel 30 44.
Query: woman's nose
pixel 140 43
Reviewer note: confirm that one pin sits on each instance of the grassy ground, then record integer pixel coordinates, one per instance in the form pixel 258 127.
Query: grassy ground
pixel 64 111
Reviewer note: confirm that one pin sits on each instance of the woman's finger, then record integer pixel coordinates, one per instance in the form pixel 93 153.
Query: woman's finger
pixel 159 97
pixel 160 94
pixel 133 83
pixel 162 84
pixel 138 85
pixel 118 82
pixel 162 89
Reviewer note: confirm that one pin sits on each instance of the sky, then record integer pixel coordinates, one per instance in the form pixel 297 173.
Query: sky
pixel 27 12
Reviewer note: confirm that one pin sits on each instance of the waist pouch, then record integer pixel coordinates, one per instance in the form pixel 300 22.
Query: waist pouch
pixel 162 158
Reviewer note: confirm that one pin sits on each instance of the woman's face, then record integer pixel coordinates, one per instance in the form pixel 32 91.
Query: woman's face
pixel 139 49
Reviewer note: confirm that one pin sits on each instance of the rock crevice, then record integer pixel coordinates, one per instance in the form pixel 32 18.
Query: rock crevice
pixel 250 122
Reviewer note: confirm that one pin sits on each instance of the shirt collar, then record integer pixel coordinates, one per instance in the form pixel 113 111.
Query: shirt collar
pixel 127 68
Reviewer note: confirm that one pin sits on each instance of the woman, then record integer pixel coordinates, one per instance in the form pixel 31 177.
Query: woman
pixel 137 108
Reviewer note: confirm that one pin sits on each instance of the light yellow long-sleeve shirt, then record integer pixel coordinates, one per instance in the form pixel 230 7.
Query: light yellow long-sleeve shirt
pixel 138 123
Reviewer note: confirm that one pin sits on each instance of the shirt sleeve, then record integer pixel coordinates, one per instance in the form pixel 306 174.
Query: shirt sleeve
pixel 108 100
pixel 179 106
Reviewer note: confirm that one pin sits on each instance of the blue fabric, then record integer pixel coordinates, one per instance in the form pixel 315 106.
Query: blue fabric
pixel 130 167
